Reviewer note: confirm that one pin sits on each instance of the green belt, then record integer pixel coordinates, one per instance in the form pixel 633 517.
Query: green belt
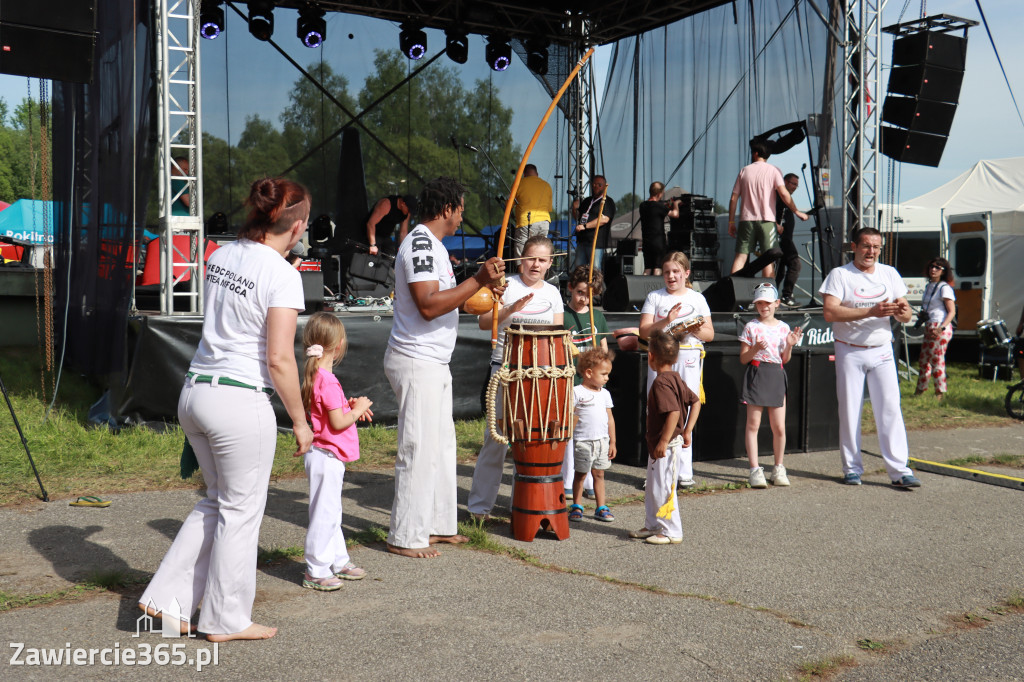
pixel 225 381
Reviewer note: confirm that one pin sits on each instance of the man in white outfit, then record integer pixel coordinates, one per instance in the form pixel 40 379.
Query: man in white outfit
pixel 859 299
pixel 422 339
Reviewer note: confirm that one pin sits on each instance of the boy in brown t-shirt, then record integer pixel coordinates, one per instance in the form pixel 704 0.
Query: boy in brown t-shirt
pixel 672 411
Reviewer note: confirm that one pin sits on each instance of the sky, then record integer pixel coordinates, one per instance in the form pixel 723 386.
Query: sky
pixel 986 124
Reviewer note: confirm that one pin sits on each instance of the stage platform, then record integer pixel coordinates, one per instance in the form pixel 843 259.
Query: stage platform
pixel 161 347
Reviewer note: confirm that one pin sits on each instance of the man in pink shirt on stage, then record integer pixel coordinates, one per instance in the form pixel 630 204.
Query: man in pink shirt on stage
pixel 757 185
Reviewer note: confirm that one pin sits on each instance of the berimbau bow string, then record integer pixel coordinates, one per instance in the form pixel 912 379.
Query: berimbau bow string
pixel 519 176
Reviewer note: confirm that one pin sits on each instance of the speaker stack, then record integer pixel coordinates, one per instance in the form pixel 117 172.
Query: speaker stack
pixel 924 87
pixel 695 233
pixel 53 39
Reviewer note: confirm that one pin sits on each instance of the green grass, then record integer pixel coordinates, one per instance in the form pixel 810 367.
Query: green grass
pixel 76 458
pixel 999 459
pixel 10 601
pixel 970 401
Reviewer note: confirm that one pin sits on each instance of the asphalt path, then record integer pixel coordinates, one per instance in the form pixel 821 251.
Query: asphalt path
pixel 765 581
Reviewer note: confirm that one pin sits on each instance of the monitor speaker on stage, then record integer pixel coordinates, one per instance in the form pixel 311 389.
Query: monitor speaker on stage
pixel 732 294
pixel 54 39
pixel 628 292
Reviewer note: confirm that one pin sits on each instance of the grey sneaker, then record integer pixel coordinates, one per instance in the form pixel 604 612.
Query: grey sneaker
pixel 757 478
pixel 779 476
pixel 851 479
pixel 908 481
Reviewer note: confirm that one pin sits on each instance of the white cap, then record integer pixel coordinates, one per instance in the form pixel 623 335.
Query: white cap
pixel 766 292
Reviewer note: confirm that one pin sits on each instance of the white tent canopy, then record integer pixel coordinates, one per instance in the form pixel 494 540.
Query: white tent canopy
pixel 992 185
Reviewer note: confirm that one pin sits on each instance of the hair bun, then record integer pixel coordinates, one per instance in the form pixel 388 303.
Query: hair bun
pixel 264 195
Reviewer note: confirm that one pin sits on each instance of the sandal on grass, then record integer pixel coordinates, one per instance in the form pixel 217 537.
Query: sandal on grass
pixel 575 512
pixel 89 501
pixel 603 513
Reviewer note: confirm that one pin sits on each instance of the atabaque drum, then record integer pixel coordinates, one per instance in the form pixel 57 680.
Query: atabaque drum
pixel 993 333
pixel 537 394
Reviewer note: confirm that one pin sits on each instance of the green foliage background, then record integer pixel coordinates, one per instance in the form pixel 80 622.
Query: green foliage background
pixel 415 122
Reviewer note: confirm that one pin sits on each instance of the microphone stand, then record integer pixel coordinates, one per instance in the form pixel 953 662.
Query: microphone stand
pixel 497 173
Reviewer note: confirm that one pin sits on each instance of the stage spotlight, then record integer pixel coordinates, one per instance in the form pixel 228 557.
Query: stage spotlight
pixel 211 19
pixel 311 27
pixel 412 41
pixel 322 228
pixel 261 19
pixel 457 46
pixel 537 56
pixel 498 53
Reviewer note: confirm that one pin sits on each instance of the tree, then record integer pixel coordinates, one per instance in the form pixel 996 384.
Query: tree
pixel 417 123
pixel 228 172
pixel 627 203
pixel 310 118
pixel 21 143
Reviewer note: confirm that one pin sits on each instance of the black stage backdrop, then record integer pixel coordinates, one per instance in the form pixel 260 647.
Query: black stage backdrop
pixel 160 349
pixel 102 168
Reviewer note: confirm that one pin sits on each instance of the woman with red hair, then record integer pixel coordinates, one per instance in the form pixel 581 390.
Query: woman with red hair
pixel 247 353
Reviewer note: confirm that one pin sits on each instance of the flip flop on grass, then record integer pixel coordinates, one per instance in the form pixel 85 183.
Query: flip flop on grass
pixel 90 501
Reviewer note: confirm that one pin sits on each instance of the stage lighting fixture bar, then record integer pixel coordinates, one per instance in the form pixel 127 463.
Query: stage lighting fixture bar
pixel 412 41
pixel 537 56
pixel 261 19
pixel 498 53
pixel 311 27
pixel 457 46
pixel 211 19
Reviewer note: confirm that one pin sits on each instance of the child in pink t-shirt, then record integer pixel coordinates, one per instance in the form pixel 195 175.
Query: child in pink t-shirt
pixel 766 344
pixel 335 441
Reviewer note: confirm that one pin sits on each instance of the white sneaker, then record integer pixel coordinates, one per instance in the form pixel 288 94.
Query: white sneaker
pixel 685 483
pixel 779 476
pixel 757 478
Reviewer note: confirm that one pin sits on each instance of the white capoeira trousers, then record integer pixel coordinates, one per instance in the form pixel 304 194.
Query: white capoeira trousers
pixel 325 548
pixel 425 486
pixel 661 487
pixel 490 465
pixel 689 366
pixel 876 365
pixel 213 558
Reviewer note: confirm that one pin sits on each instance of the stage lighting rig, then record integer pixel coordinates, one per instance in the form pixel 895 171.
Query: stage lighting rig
pixel 261 19
pixel 537 56
pixel 457 46
pixel 311 27
pixel 498 53
pixel 211 19
pixel 412 41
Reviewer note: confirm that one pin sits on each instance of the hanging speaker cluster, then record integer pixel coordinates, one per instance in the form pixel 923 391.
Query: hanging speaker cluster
pixel 53 39
pixel 924 88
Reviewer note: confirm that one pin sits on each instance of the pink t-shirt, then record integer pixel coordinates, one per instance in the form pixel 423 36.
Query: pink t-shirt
pixel 327 396
pixel 756 185
pixel 775 335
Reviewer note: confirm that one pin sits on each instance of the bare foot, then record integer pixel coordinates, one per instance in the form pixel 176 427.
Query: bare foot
pixel 185 628
pixel 424 553
pixel 254 631
pixel 448 539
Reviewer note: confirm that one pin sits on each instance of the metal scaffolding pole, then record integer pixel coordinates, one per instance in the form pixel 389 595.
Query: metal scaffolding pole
pixel 180 190
pixel 862 68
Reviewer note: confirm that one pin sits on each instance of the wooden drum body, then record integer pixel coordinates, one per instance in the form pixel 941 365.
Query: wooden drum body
pixel 537 411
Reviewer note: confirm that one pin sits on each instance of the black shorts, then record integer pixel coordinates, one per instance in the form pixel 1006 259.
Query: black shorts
pixel 765 385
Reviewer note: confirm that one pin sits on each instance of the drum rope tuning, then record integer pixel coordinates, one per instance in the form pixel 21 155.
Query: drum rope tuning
pixel 506 376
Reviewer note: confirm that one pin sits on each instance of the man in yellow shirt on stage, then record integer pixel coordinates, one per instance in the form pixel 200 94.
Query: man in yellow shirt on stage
pixel 533 209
